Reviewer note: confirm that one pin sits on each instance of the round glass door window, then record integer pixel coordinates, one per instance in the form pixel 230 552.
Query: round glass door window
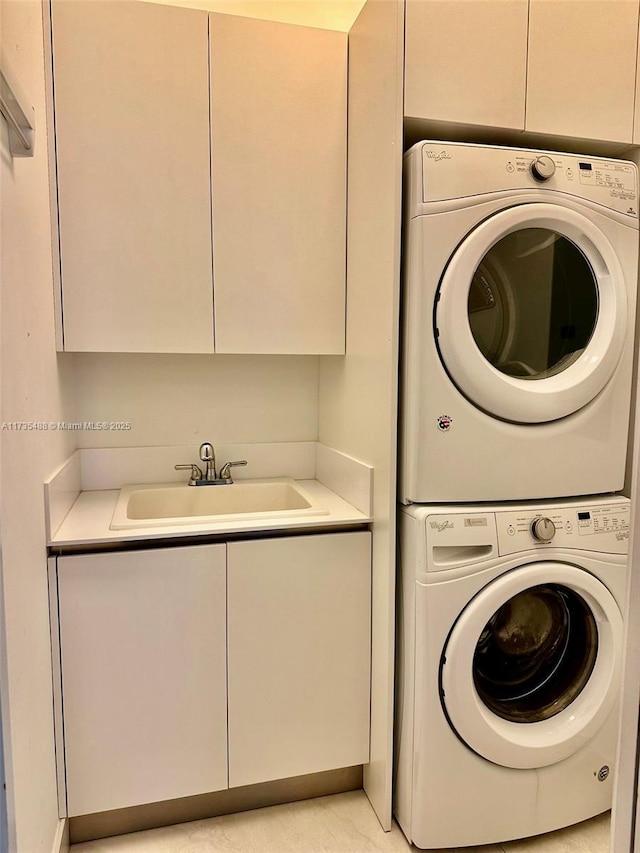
pixel 533 304
pixel 531 668
pixel 531 313
pixel 536 654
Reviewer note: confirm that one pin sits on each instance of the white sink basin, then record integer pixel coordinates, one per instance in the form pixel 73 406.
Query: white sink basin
pixel 176 504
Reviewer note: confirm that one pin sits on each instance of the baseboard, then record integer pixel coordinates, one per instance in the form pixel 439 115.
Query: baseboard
pixel 153 815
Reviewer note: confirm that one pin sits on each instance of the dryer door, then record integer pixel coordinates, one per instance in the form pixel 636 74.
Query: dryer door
pixel 531 669
pixel 531 313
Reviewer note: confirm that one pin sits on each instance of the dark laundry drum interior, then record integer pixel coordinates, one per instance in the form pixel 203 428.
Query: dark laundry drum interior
pixel 536 654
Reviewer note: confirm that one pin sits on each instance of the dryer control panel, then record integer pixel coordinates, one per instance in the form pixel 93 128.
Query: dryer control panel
pixel 438 172
pixel 591 527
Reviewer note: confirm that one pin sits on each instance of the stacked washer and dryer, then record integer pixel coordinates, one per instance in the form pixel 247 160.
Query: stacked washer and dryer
pixel 520 274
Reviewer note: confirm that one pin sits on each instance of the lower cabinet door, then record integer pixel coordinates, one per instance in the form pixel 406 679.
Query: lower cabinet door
pixel 299 651
pixel 143 665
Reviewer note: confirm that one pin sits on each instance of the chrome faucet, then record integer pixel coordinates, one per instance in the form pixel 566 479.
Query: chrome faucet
pixel 210 476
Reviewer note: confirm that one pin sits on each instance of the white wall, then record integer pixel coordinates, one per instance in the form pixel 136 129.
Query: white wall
pixel 30 392
pixel 625 798
pixel 358 394
pixel 626 784
pixel 183 399
pixel 326 14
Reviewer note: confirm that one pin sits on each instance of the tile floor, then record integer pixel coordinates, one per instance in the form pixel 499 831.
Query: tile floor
pixel 342 823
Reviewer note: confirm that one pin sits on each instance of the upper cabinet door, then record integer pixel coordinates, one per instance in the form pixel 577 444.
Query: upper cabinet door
pixel 465 61
pixel 132 138
pixel 278 119
pixel 582 68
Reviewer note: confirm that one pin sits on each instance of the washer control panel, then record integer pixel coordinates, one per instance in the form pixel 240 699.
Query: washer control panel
pixel 600 527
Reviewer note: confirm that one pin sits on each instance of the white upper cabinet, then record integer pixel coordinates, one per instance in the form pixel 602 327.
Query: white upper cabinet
pixel 132 147
pixel 582 68
pixel 560 67
pixel 278 117
pixel 157 122
pixel 466 61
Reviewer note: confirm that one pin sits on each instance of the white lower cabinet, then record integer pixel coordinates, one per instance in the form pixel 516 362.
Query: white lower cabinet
pixel 186 670
pixel 299 655
pixel 143 664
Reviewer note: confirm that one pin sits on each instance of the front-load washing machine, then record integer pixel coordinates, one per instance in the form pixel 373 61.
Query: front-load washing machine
pixel 520 272
pixel 510 643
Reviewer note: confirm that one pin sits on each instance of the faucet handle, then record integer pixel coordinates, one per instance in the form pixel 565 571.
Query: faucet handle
pixel 225 471
pixel 196 473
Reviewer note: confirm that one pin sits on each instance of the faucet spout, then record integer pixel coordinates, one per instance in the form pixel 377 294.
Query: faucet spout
pixel 208 456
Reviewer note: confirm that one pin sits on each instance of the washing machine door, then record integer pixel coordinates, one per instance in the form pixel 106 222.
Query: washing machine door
pixel 531 669
pixel 531 313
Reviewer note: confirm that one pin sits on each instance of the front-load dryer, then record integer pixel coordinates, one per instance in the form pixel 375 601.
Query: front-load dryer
pixel 510 642
pixel 520 273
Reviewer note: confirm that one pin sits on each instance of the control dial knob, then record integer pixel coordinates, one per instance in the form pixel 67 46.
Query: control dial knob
pixel 543 168
pixel 543 529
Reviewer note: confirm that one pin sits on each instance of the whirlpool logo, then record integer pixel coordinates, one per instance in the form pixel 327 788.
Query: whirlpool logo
pixel 438 155
pixel 441 525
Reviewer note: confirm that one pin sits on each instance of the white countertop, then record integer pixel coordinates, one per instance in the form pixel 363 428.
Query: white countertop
pixel 88 520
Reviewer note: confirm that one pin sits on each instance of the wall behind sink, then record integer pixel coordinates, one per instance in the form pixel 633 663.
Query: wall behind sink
pixel 183 399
